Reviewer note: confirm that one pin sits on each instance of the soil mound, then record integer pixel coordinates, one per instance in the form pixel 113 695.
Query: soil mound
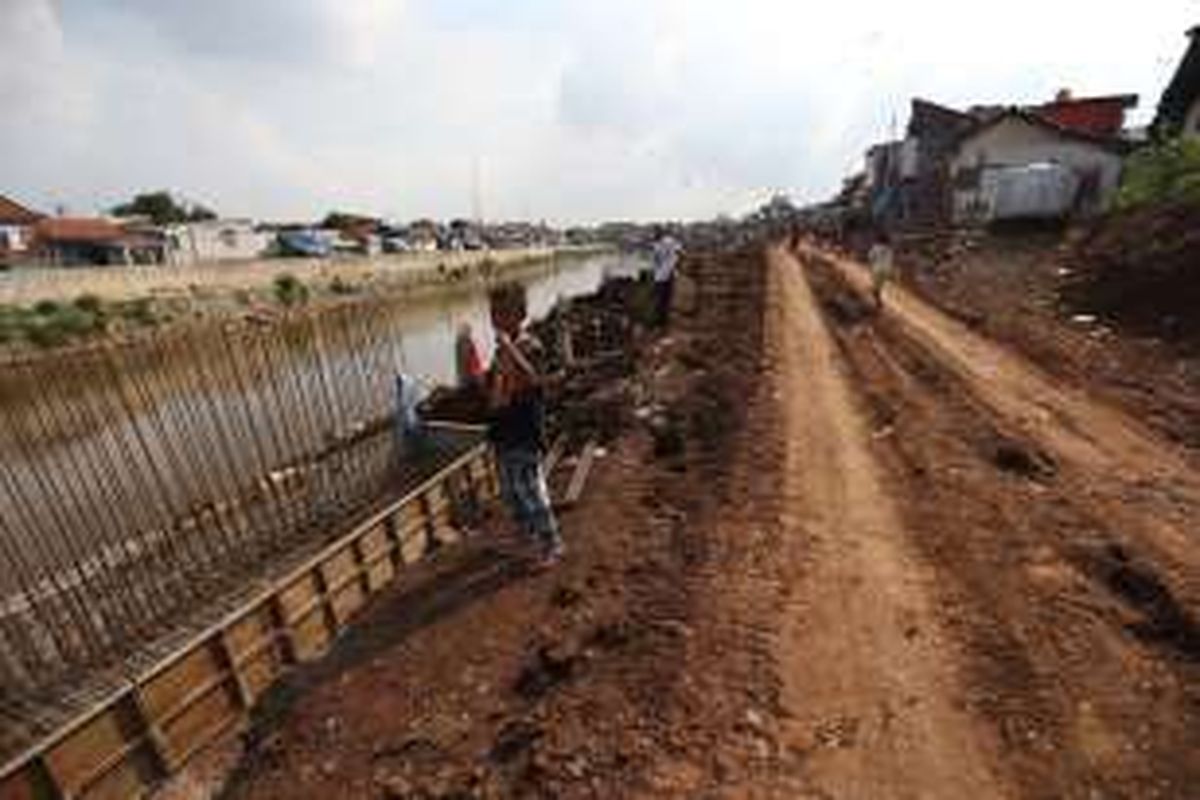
pixel 1141 271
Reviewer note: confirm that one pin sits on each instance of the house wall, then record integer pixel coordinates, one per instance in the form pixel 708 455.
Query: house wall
pixel 14 239
pixel 219 240
pixel 1015 142
pixel 1191 123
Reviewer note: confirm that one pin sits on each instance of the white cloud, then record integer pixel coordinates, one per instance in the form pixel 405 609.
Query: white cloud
pixel 627 108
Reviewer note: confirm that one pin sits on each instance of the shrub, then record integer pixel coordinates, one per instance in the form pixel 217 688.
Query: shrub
pixel 12 322
pixel 341 286
pixel 139 311
pixel 290 290
pixel 1167 172
pixel 46 308
pixel 90 303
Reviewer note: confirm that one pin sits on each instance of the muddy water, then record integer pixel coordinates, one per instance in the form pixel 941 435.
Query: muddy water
pixel 98 464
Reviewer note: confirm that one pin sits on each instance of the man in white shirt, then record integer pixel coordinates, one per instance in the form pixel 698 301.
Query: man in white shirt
pixel 882 268
pixel 666 257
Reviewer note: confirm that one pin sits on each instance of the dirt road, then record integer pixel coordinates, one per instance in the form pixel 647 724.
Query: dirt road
pixel 868 671
pixel 879 557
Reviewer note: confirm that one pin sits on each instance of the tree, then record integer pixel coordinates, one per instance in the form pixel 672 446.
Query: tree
pixel 163 209
pixel 343 221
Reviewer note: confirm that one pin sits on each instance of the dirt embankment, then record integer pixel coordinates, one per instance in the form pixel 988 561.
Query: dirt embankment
pixel 1070 305
pixel 828 554
pixel 615 675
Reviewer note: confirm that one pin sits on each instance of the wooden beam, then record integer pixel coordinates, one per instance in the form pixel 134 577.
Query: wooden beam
pixel 583 468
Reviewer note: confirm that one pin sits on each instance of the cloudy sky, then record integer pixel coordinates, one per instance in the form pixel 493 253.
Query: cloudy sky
pixel 569 110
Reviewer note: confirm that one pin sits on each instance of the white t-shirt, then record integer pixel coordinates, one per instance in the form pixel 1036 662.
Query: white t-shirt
pixel 880 257
pixel 666 256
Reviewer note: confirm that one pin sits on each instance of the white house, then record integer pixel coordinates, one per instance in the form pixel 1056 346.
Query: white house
pixel 16 229
pixel 214 241
pixel 1018 138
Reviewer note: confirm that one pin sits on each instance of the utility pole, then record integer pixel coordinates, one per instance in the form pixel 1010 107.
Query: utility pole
pixel 476 193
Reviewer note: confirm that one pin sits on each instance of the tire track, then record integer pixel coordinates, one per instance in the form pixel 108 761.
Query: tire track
pixel 873 706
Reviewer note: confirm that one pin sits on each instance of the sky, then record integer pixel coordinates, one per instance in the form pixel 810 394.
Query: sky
pixel 568 111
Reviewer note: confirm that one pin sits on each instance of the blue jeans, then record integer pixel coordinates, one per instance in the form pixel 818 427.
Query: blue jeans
pixel 523 487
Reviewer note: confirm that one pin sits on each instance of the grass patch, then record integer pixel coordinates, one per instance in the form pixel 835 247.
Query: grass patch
pixel 289 290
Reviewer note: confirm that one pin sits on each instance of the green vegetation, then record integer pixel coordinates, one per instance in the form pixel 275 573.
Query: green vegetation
pixel 139 311
pixel 162 209
pixel 289 290
pixel 340 285
pixel 1165 173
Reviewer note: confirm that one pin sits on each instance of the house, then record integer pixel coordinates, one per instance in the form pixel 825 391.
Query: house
pixel 932 132
pixel 1020 138
pixel 16 230
pixel 214 241
pixel 424 235
pixel 1102 116
pixel 78 241
pixel 1179 109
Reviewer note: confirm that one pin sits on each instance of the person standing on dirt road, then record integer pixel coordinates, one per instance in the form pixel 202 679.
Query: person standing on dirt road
pixel 882 269
pixel 516 424
pixel 666 256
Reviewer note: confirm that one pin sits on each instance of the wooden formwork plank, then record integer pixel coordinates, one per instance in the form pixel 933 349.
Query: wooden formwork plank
pixel 133 776
pixel 579 477
pixel 554 455
pixel 21 785
pixel 80 758
pixel 165 693
pixel 374 542
pixel 297 599
pixel 380 574
pixel 215 710
pixel 260 672
pixel 347 601
pixel 414 540
pixel 197 694
pixel 251 633
pixel 339 569
pixel 310 634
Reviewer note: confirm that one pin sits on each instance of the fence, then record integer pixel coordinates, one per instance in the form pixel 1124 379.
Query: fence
pixel 141 481
pixel 30 284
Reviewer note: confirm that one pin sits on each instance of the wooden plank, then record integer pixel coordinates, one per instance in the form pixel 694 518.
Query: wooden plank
pixel 380 574
pixel 164 693
pixel 87 741
pixel 414 543
pixel 347 601
pixel 373 542
pixel 583 468
pixel 230 663
pixel 261 671
pixel 248 633
pixel 19 786
pixel 192 729
pixel 554 456
pixel 340 568
pixel 296 600
pixel 76 760
pixel 311 634
pixel 133 776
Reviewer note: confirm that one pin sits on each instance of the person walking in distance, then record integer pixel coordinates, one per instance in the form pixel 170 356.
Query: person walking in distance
pixel 666 257
pixel 882 268
pixel 516 424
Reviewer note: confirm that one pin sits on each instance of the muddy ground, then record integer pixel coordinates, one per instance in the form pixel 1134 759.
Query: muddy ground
pixel 1024 289
pixel 830 554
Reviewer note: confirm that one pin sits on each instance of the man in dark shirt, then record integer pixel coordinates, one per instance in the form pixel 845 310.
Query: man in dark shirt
pixel 516 424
